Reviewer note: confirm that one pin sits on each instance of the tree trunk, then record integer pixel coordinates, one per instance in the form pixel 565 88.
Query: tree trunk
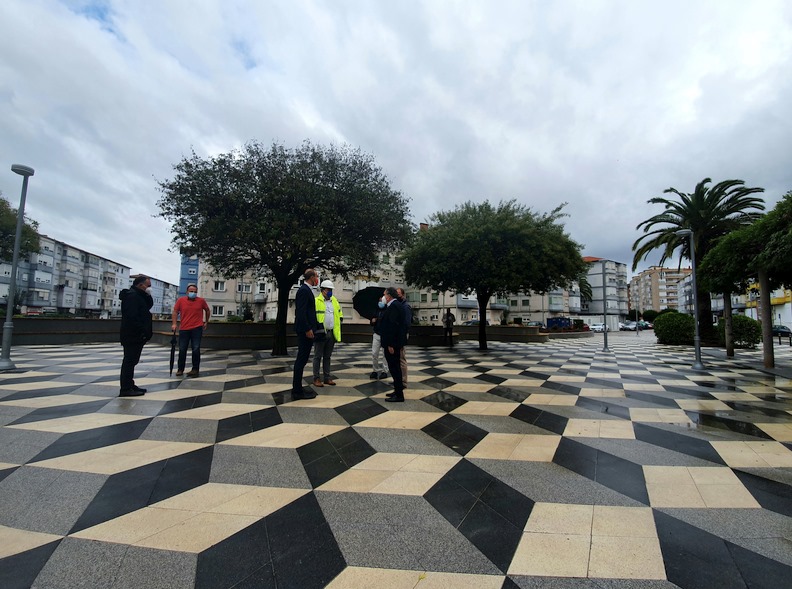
pixel 483 301
pixel 706 328
pixel 279 346
pixel 767 320
pixel 727 323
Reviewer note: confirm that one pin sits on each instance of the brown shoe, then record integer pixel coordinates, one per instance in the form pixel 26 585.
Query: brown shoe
pixel 318 382
pixel 180 373
pixel 330 381
pixel 192 374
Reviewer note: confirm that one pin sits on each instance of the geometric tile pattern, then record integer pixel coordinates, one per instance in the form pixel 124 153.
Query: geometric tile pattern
pixel 526 465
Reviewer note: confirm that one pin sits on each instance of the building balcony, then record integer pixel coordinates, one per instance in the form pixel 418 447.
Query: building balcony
pixel 260 298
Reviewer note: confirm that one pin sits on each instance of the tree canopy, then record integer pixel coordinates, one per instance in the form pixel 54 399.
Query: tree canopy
pixel 8 221
pixel 279 211
pixel 758 252
pixel 710 212
pixel 489 250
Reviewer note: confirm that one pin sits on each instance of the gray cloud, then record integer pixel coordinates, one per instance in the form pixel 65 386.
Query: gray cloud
pixel 601 105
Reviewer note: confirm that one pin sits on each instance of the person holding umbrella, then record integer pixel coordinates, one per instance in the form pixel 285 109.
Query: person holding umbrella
pixel 192 313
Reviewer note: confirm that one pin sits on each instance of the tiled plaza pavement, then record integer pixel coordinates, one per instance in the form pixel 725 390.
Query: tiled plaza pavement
pixel 532 465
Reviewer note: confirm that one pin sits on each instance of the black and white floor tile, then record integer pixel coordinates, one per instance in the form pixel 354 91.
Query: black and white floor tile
pixel 527 465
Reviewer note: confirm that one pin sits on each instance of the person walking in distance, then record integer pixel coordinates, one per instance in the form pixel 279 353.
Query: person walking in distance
pixel 328 316
pixel 408 314
pixel 377 365
pixel 448 327
pixel 392 335
pixel 304 325
pixel 192 315
pixel 136 330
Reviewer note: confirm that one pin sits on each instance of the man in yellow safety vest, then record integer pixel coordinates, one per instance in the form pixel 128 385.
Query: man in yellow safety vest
pixel 328 316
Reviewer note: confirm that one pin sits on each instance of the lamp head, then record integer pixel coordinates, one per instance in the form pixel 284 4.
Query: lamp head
pixel 22 170
pixel 684 232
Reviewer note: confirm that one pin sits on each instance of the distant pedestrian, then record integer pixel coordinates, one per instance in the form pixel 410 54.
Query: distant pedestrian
pixel 408 314
pixel 448 327
pixel 392 333
pixel 136 330
pixel 192 314
pixel 304 325
pixel 328 316
pixel 377 358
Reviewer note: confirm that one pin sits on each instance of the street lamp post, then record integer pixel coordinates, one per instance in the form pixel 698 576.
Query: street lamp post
pixel 8 327
pixel 697 365
pixel 604 310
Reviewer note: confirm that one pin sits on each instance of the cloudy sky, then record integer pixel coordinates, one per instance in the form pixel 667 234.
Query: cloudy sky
pixel 601 104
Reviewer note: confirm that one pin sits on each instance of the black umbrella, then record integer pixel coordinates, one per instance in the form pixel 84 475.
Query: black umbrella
pixel 366 299
pixel 174 341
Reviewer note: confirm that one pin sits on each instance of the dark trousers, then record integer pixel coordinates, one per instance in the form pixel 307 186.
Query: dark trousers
pixel 131 358
pixel 322 352
pixel 394 365
pixel 304 345
pixel 448 335
pixel 190 338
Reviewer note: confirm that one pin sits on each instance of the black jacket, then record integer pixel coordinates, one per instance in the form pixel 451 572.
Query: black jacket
pixel 135 316
pixel 392 329
pixel 305 310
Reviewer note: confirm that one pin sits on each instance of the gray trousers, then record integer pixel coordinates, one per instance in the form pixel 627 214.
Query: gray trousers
pixel 322 352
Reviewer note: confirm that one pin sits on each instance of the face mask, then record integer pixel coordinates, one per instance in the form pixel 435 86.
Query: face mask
pixel 192 295
pixel 148 290
pixel 328 294
pixel 381 304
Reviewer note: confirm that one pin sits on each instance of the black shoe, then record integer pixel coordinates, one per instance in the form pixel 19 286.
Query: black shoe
pixel 373 374
pixel 391 394
pixel 383 375
pixel 395 399
pixel 303 395
pixel 137 389
pixel 130 393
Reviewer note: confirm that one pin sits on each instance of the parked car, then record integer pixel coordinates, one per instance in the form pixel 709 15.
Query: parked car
pixel 538 324
pixel 630 326
pixel 598 327
pixel 645 325
pixel 782 330
pixel 473 322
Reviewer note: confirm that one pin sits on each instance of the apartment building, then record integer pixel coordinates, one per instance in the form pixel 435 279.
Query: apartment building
pixel 231 296
pixel 657 288
pixel 62 278
pixel 780 301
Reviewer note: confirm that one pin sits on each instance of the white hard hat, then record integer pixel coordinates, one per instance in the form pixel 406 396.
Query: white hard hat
pixel 327 284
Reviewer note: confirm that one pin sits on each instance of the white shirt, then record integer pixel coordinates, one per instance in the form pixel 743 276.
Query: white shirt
pixel 329 320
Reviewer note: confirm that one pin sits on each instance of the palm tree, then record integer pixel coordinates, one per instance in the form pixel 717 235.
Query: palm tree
pixel 711 213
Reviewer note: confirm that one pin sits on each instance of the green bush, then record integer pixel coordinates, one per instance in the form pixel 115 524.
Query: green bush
pixel 234 319
pixel 674 328
pixel 650 315
pixel 746 332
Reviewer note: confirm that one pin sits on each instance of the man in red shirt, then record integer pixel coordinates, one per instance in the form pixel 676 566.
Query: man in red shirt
pixel 193 312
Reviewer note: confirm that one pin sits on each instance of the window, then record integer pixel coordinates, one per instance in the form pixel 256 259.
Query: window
pixel 526 303
pixel 513 302
pixel 244 287
pixel 218 310
pixel 433 317
pixel 192 271
pixel 423 297
pixel 219 286
pixel 385 259
pixel 435 297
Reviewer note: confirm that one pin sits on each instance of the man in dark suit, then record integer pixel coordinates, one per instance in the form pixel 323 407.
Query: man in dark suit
pixel 392 335
pixel 136 330
pixel 304 325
